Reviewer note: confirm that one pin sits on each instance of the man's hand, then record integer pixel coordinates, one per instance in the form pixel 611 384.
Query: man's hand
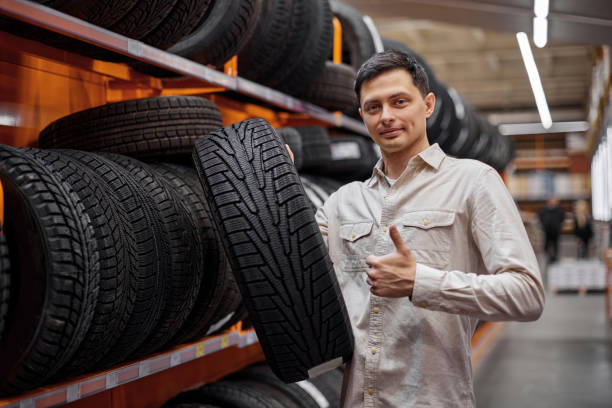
pixel 392 275
pixel 290 153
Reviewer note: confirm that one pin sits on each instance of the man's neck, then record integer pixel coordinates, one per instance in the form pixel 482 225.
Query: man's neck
pixel 395 163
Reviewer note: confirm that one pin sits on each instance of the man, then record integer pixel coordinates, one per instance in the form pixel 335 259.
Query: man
pixel 551 217
pixel 425 248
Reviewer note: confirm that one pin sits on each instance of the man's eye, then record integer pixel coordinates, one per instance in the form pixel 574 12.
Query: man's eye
pixel 401 102
pixel 372 108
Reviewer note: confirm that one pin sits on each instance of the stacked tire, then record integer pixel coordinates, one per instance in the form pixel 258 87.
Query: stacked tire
pixel 257 387
pixel 105 258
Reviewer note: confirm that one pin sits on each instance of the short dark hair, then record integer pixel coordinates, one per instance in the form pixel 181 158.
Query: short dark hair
pixel 389 60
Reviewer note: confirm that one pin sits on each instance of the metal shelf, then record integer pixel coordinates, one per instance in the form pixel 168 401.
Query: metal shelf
pixel 247 352
pixel 59 22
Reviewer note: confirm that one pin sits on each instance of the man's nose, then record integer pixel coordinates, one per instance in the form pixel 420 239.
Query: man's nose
pixel 386 115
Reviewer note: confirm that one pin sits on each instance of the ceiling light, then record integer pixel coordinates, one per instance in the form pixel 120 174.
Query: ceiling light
pixel 534 128
pixel 540 8
pixel 534 79
pixel 540 31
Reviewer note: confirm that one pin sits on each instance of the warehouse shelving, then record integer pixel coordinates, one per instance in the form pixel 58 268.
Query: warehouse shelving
pixel 41 72
pixel 152 380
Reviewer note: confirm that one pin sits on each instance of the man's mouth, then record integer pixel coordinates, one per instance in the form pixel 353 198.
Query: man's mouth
pixel 390 132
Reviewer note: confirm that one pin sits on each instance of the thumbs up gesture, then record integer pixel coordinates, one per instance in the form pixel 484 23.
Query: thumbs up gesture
pixel 392 275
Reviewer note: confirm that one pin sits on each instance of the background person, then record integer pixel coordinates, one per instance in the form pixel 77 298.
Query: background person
pixel 583 227
pixel 551 218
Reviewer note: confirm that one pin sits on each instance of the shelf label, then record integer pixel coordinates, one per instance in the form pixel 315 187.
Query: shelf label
pixel 73 392
pixel 199 349
pixel 224 341
pixel 175 359
pixel 111 380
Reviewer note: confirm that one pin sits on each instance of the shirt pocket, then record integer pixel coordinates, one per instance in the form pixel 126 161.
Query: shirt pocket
pixel 356 239
pixel 428 235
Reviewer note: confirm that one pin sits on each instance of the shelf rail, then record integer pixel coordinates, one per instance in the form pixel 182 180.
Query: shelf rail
pixel 88 385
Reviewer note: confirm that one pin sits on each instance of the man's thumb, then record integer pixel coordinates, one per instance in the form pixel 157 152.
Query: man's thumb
pixel 398 241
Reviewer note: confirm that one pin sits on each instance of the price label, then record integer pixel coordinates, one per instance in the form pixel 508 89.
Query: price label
pixel 224 341
pixel 199 350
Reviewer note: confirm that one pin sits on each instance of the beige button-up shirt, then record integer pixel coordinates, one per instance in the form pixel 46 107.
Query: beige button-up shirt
pixel 474 261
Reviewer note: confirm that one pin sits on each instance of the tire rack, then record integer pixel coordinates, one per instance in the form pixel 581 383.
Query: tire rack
pixel 154 380
pixel 164 375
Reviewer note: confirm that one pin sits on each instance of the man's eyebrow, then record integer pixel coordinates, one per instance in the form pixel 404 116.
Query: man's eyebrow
pixel 395 95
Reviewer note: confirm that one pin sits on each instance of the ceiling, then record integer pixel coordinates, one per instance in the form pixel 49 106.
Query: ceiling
pixel 471 46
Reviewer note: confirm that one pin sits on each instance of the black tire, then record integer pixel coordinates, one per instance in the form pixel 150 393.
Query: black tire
pixel 179 23
pixel 215 265
pixel 357 42
pixel 150 249
pixel 264 54
pixel 226 27
pixel 101 13
pixel 143 128
pixel 309 48
pixel 291 137
pixel 5 282
pixel 54 264
pixel 229 394
pixel 143 18
pixel 316 150
pixel 115 242
pixel 276 251
pixel 184 264
pixel 292 394
pixel 225 308
pixel 333 88
pixel 352 158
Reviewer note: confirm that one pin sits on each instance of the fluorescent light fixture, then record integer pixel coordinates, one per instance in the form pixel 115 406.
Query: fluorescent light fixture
pixel 540 8
pixel 540 31
pixel 534 80
pixel 535 128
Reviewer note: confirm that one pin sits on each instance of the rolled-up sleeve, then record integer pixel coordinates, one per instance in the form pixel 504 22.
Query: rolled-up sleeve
pixel 511 288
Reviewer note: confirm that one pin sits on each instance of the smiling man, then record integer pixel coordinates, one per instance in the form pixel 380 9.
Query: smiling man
pixel 423 249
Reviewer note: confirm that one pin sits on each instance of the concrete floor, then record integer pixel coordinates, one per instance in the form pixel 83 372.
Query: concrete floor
pixel 562 360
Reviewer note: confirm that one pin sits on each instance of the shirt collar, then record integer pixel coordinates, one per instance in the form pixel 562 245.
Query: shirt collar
pixel 432 156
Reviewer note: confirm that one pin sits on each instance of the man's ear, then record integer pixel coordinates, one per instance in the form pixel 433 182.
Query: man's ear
pixel 360 112
pixel 430 103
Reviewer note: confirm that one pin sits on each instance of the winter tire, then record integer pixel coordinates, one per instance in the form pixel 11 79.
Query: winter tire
pixel 115 242
pixel 183 263
pixel 357 42
pixel 54 263
pixel 316 150
pixel 333 88
pixel 5 282
pixel 143 128
pixel 225 28
pixel 275 248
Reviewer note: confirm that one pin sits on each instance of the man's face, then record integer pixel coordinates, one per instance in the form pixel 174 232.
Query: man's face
pixel 395 112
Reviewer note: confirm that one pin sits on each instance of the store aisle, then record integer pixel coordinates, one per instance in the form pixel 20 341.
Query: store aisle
pixel 562 360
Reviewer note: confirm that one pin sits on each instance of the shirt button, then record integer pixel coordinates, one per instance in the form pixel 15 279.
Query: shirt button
pixel 423 304
pixel 376 309
pixel 425 222
pixel 371 391
pixel 352 235
pixel 373 350
pixel 385 229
